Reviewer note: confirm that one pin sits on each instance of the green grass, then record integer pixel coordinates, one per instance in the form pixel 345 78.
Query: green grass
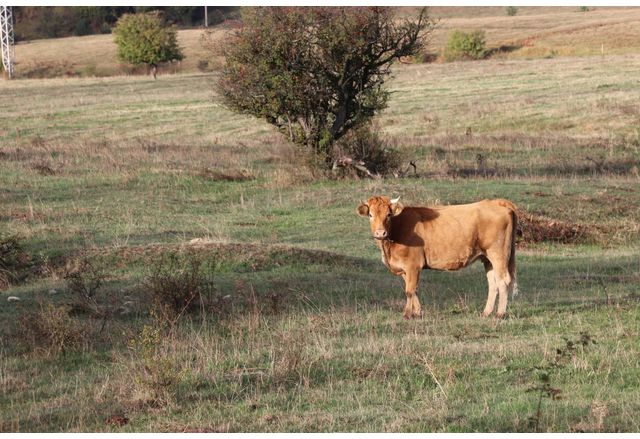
pixel 303 330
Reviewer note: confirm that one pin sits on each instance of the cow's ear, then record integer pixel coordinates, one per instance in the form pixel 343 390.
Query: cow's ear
pixel 363 210
pixel 396 207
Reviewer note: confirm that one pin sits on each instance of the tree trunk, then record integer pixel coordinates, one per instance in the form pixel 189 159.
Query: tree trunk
pixel 341 118
pixel 154 70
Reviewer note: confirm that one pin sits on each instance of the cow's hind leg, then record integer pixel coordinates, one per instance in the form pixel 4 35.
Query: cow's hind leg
pixel 502 282
pixel 412 308
pixel 493 288
pixel 503 279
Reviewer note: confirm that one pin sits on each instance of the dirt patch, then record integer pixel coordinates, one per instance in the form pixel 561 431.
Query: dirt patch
pixel 534 228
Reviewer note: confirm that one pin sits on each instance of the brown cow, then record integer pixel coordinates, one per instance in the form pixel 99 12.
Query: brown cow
pixel 446 238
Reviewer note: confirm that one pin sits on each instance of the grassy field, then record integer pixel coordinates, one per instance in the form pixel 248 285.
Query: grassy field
pixel 121 190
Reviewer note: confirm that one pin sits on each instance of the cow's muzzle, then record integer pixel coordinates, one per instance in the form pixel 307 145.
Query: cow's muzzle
pixel 380 234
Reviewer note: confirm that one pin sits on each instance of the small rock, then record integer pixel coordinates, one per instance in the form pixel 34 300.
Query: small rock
pixel 53 291
pixel 200 241
pixel 13 299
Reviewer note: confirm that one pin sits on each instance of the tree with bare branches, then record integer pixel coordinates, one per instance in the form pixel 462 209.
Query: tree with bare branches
pixel 317 72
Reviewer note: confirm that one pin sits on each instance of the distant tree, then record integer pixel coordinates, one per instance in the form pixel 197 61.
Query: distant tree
pixel 55 22
pixel 97 19
pixel 316 72
pixel 36 22
pixel 511 11
pixel 144 39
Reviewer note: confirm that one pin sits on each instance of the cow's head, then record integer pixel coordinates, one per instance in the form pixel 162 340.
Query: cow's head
pixel 380 210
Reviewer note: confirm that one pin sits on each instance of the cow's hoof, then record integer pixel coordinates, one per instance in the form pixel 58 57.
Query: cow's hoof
pixel 485 314
pixel 406 316
pixel 500 316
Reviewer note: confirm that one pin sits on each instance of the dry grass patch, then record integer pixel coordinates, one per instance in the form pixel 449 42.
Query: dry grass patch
pixel 540 32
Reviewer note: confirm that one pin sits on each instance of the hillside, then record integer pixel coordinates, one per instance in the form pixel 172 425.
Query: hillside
pixel 533 33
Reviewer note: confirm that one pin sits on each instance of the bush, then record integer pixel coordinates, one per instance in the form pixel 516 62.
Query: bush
pixel 465 46
pixel 14 261
pixel 154 370
pixel 511 11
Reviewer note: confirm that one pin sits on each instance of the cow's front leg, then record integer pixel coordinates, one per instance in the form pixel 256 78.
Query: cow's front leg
pixel 412 307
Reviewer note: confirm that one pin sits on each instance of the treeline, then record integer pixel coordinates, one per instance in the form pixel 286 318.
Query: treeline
pixel 36 22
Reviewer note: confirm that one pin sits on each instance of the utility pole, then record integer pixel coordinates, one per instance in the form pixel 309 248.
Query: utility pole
pixel 6 37
pixel 206 18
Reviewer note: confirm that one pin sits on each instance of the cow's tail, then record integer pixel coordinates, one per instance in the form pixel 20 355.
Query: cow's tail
pixel 513 285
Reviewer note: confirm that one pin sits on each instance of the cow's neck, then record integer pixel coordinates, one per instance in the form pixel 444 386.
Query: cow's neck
pixel 385 249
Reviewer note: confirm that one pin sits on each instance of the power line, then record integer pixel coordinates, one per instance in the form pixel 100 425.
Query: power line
pixel 6 37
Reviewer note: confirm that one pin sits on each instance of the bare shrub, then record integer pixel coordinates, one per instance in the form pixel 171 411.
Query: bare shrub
pixel 177 286
pixel 84 279
pixel 50 329
pixel 545 374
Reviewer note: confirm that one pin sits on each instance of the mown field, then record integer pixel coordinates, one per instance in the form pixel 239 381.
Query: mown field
pixel 121 191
